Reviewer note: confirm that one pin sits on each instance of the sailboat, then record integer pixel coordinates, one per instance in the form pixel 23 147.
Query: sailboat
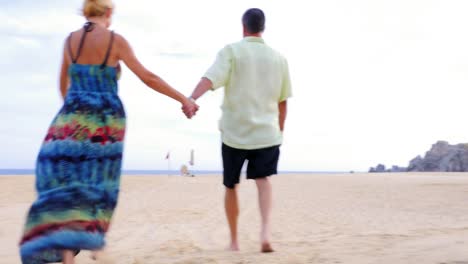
pixel 192 161
pixel 184 171
pixel 192 158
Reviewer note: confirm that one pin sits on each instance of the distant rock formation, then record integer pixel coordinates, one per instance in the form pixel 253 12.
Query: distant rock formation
pixel 381 168
pixel 441 157
pixel 397 169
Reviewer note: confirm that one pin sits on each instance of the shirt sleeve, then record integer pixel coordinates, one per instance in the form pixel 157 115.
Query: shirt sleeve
pixel 219 72
pixel 286 83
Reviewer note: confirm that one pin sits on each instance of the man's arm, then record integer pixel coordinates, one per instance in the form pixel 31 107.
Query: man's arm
pixel 216 76
pixel 204 85
pixel 285 94
pixel 283 109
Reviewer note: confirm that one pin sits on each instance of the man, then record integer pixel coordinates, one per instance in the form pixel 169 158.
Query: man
pixel 257 85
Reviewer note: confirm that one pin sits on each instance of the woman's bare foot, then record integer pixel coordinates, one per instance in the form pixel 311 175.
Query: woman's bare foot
pixel 68 257
pixel 95 254
pixel 234 246
pixel 266 248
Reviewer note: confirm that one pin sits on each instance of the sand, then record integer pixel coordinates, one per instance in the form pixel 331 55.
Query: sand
pixel 317 218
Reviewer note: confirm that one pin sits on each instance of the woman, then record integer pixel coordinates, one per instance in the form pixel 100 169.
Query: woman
pixel 79 163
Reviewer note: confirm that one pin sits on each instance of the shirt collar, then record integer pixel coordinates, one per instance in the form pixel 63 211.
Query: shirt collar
pixel 254 39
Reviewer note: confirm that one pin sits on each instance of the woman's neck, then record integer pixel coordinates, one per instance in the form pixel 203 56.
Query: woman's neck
pixel 99 21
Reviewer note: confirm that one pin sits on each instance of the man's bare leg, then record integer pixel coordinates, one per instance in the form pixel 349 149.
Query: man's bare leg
pixel 231 205
pixel 265 204
pixel 68 257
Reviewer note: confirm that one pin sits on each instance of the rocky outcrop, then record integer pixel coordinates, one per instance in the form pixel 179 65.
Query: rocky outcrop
pixel 397 169
pixel 441 157
pixel 381 168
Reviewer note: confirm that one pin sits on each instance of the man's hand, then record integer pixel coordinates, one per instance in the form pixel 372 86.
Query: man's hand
pixel 190 108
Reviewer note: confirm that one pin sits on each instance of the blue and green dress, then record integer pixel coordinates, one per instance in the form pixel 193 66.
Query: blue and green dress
pixel 78 167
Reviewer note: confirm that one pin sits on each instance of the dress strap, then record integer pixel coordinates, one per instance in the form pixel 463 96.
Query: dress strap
pixel 89 26
pixel 104 63
pixel 69 48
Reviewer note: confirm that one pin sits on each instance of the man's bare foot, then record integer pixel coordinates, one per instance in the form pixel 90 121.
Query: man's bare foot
pixel 233 247
pixel 266 248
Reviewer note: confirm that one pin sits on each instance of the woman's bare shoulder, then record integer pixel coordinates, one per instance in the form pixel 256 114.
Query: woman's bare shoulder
pixel 75 32
pixel 121 42
pixel 120 39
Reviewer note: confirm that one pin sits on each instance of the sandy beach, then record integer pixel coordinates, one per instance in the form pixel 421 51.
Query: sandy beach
pixel 317 218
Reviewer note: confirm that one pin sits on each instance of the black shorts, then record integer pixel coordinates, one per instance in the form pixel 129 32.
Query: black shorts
pixel 262 163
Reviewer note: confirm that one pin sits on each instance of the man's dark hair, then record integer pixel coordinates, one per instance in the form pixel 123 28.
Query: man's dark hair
pixel 254 20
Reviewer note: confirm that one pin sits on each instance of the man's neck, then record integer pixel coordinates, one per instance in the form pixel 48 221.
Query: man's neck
pixel 258 35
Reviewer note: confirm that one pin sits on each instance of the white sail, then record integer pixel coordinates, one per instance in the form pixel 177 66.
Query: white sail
pixel 192 158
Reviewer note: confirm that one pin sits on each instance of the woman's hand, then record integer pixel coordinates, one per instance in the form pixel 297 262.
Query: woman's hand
pixel 189 107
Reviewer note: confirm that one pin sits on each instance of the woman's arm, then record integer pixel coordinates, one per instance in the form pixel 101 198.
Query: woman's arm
pixel 125 53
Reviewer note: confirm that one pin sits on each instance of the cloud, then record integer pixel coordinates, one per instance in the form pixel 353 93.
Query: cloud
pixel 373 81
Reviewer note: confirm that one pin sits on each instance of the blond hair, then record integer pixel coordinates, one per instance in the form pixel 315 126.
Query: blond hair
pixel 92 8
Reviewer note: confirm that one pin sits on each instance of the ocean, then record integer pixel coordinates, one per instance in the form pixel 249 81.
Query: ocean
pixel 124 172
pixel 165 172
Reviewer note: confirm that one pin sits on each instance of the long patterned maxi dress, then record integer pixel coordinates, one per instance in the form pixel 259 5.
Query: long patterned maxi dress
pixel 78 167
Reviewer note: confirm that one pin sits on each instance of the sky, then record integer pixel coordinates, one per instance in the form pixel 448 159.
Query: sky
pixel 374 81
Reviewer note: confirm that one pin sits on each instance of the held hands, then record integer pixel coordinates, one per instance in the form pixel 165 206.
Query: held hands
pixel 189 107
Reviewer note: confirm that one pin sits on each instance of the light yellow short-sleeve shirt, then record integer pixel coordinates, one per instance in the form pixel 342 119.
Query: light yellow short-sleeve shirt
pixel 255 78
